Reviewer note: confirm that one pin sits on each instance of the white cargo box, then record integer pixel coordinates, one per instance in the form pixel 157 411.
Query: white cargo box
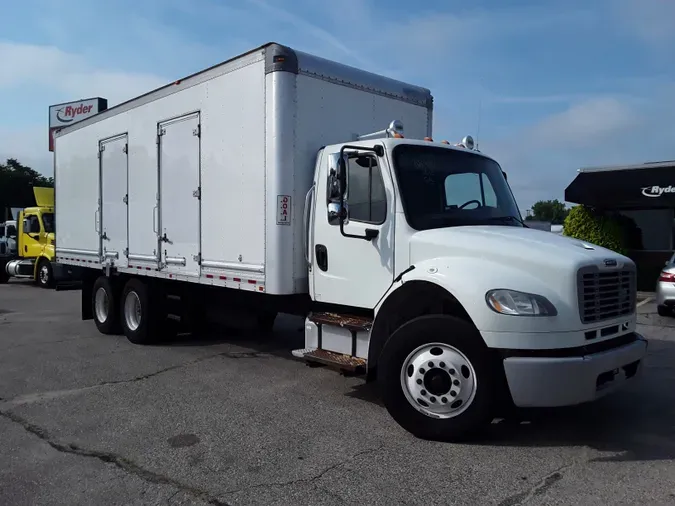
pixel 204 180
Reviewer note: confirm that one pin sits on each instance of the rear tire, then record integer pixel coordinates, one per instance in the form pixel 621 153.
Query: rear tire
pixel 142 312
pixel 427 367
pixel 664 311
pixel 105 306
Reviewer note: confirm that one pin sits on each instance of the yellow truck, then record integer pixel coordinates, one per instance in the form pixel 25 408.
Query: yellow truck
pixel 33 254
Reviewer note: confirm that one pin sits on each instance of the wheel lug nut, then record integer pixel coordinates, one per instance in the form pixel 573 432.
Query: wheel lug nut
pixel 432 399
pixel 442 365
pixel 422 370
pixel 419 381
pixel 444 400
pixel 431 365
pixel 452 371
pixel 456 383
pixel 423 392
pixel 453 393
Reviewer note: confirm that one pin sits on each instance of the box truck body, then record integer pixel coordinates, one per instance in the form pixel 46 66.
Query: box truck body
pixel 218 164
pixel 282 182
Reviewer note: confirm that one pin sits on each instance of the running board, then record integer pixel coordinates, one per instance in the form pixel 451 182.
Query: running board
pixel 339 361
pixel 349 322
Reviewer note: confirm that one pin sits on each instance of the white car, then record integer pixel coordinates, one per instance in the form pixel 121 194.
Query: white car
pixel 665 289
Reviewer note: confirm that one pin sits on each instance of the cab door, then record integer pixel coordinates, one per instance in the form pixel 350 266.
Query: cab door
pixel 30 245
pixel 347 268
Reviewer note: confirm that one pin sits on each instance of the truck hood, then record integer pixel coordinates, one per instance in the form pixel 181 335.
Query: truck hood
pixel 514 246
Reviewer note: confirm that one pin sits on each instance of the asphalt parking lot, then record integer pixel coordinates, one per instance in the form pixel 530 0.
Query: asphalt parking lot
pixel 229 420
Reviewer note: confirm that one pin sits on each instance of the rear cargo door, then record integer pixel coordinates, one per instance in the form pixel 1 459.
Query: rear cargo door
pixel 179 195
pixel 114 217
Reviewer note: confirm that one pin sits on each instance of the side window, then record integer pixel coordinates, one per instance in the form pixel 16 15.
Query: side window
pixel 469 187
pixel 31 225
pixel 366 195
pixel 11 231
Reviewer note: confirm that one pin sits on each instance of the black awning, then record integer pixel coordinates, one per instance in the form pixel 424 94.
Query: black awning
pixel 647 186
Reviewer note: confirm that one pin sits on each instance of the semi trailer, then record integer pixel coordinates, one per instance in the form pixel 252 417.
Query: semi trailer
pixel 280 182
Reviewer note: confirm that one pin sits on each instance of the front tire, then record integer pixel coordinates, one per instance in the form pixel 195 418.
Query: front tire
pixel 142 312
pixel 44 274
pixel 436 378
pixel 105 306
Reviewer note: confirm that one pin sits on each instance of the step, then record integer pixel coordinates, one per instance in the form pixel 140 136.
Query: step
pixel 344 363
pixel 349 322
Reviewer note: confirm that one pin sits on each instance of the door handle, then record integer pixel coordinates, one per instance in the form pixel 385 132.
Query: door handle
pixel 321 257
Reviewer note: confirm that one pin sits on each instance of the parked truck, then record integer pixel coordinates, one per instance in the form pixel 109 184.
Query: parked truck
pixel 33 254
pixel 280 182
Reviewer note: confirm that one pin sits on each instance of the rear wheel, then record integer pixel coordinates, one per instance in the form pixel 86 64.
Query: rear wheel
pixel 436 378
pixel 664 311
pixel 105 302
pixel 142 312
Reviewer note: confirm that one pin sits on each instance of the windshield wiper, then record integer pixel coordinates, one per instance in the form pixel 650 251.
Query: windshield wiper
pixel 507 218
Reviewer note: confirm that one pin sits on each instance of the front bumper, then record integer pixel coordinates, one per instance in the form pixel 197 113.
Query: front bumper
pixel 551 381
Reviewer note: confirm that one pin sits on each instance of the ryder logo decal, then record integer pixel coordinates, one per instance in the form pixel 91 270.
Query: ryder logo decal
pixel 69 113
pixel 657 191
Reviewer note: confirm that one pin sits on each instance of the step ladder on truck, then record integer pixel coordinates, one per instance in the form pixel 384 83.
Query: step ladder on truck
pixel 254 187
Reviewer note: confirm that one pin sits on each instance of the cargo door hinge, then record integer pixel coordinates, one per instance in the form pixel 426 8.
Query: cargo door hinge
pixel 197 193
pixel 160 132
pixel 197 258
pixel 125 149
pixel 126 199
pixel 197 131
pixel 126 252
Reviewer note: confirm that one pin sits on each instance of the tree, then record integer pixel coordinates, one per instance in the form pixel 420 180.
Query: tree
pixel 16 185
pixel 553 211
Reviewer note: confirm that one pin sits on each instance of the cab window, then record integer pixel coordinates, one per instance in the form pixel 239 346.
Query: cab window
pixel 31 225
pixel 366 194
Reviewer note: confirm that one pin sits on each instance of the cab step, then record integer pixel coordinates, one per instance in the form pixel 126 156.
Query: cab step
pixel 349 322
pixel 344 363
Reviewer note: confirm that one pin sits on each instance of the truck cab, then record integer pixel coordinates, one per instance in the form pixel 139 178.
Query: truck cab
pixel 35 241
pixel 470 305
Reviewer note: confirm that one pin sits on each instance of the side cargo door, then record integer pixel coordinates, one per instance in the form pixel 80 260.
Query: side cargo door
pixel 180 195
pixel 114 199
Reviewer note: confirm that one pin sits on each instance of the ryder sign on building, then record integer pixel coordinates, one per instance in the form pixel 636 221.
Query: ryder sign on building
pixel 62 115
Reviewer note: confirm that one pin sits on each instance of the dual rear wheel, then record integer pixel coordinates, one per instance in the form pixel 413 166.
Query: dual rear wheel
pixel 128 309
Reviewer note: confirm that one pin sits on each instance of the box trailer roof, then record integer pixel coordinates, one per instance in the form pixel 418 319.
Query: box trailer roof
pixel 278 58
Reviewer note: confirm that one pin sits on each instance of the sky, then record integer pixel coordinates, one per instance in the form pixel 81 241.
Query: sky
pixel 545 87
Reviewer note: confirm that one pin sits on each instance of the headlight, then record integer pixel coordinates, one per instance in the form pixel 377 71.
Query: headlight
pixel 511 302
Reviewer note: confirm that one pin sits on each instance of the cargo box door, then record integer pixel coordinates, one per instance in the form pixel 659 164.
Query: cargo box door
pixel 113 156
pixel 179 195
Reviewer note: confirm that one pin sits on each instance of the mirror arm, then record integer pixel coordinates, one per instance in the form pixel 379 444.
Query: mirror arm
pixel 370 232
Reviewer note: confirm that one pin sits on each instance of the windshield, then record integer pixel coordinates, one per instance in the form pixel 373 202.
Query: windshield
pixel 48 222
pixel 443 187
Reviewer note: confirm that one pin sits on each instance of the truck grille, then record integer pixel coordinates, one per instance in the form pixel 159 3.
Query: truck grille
pixel 604 295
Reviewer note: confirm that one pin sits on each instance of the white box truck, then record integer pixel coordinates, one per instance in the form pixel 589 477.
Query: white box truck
pixel 279 182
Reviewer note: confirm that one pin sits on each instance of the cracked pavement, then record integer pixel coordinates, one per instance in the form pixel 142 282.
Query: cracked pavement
pixel 233 420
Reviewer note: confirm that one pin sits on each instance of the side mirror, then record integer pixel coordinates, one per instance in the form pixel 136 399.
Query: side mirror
pixel 336 182
pixel 335 211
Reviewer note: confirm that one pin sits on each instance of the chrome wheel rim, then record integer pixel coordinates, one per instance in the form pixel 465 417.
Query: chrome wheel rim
pixel 44 274
pixel 438 380
pixel 132 311
pixel 101 304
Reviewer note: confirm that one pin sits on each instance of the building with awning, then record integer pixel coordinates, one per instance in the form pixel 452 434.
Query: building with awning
pixel 644 192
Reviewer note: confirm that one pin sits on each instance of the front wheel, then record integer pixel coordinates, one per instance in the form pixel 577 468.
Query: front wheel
pixel 436 379
pixel 44 274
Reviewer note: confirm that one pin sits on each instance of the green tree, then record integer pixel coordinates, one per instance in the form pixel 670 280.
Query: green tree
pixel 16 185
pixel 553 211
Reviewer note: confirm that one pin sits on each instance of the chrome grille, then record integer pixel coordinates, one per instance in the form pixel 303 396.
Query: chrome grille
pixel 605 294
